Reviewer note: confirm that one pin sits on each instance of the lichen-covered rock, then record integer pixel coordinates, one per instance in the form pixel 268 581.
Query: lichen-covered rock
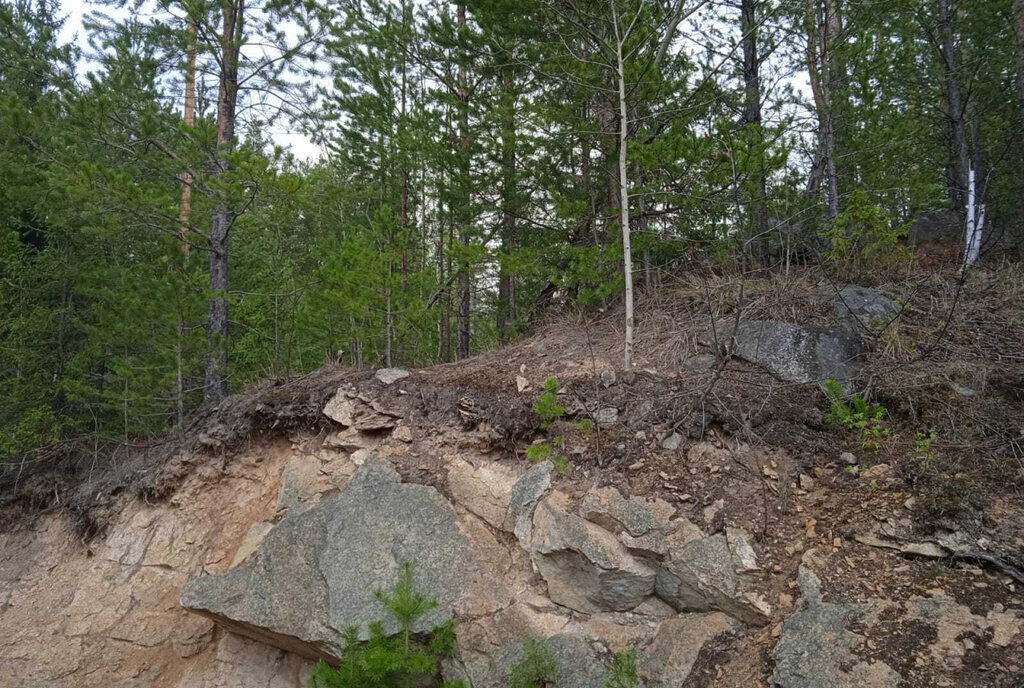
pixel 609 509
pixel 314 575
pixel 794 353
pixel 863 310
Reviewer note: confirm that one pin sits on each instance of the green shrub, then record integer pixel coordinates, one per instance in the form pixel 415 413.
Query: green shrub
pixel 537 667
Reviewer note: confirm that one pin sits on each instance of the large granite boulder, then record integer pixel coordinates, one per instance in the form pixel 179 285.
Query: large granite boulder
pixel 315 573
pixel 794 353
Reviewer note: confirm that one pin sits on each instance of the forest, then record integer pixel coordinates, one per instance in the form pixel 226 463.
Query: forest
pixel 480 162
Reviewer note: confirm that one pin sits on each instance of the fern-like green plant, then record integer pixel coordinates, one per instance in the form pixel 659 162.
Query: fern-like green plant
pixel 860 415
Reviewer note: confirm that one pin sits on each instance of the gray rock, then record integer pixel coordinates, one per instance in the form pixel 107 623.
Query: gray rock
pixel 585 566
pixel 795 353
pixel 936 226
pixel 607 416
pixel 315 573
pixel 609 509
pixel 389 376
pixel 526 492
pixel 699 364
pixel 863 310
pixel 701 576
pixel 579 664
pixel 672 442
pixel 816 650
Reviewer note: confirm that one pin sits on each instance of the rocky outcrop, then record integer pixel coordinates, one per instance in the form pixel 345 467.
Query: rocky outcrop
pixel 793 353
pixel 816 650
pixel 669 659
pixel 308 580
pixel 701 576
pixel 585 566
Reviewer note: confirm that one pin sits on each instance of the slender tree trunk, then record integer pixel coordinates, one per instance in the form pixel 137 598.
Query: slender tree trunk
pixel 508 196
pixel 465 276
pixel 216 387
pixel 1018 23
pixel 627 253
pixel 752 118
pixel 954 100
pixel 184 218
pixel 824 169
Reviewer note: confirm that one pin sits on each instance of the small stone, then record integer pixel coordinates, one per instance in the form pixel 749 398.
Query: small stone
pixel 609 415
pixel 636 466
pixel 607 378
pixel 672 442
pixel 809 526
pixel 712 510
pixel 875 472
pixel 640 436
pixel 806 482
pixel 848 459
pixel 389 376
pixel 403 433
pixel 522 384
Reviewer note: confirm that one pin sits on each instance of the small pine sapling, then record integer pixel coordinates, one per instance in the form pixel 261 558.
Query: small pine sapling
pixel 537 668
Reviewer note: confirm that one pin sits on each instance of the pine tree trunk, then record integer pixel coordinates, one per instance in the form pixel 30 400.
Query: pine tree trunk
pixel 216 384
pixel 961 160
pixel 184 218
pixel 1018 22
pixel 465 277
pixel 752 118
pixel 508 220
pixel 824 169
pixel 627 253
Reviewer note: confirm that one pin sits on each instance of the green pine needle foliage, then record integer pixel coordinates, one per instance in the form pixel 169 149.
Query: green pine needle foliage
pixel 537 667
pixel 385 661
pixel 623 673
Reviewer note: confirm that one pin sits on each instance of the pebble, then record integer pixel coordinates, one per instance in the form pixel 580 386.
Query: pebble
pixel 848 459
